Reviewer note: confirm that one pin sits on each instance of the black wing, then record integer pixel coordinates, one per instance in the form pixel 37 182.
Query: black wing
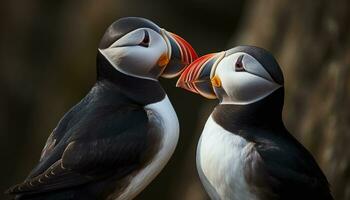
pixel 62 127
pixel 281 168
pixel 105 141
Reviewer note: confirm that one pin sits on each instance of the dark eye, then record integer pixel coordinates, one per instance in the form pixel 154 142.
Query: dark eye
pixel 145 41
pixel 239 65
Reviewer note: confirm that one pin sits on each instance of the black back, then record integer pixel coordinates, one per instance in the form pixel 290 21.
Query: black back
pixel 101 140
pixel 93 149
pixel 277 166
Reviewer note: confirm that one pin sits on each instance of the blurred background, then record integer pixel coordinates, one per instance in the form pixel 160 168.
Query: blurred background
pixel 48 51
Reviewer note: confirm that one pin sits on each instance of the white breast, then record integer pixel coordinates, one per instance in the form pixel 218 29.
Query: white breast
pixel 165 113
pixel 220 162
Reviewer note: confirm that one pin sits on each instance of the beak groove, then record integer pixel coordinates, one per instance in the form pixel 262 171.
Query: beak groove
pixel 181 54
pixel 196 77
pixel 187 52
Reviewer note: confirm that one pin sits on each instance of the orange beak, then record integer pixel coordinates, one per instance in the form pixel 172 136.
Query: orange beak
pixel 197 77
pixel 181 54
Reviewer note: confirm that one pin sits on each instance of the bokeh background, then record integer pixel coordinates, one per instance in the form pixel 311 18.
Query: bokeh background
pixel 47 56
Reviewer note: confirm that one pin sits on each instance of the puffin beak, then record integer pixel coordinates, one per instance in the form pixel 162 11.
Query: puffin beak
pixel 180 54
pixel 198 76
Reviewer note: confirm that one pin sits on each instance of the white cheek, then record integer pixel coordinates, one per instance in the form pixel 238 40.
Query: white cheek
pixel 243 87
pixel 136 60
pixel 127 60
pixel 156 49
pixel 140 58
pixel 143 59
pixel 157 45
pixel 131 38
pixel 114 55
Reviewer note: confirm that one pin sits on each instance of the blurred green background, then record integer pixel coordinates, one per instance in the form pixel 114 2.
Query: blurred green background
pixel 48 51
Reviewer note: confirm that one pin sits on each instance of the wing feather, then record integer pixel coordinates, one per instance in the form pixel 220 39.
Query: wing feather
pixel 284 170
pixel 118 150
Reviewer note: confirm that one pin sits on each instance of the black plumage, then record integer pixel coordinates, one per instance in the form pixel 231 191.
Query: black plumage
pixel 118 138
pixel 277 166
pixel 78 163
pixel 123 26
pixel 245 138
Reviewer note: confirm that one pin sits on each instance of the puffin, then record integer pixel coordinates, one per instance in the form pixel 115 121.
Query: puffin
pixel 119 137
pixel 245 152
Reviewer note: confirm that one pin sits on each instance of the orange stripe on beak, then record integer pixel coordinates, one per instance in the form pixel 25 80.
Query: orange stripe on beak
pixel 181 55
pixel 188 54
pixel 196 77
pixel 190 74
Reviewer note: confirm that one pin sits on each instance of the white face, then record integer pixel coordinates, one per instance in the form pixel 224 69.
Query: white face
pixel 138 53
pixel 243 79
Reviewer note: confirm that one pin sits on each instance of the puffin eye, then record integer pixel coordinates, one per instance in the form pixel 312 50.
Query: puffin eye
pixel 145 41
pixel 239 65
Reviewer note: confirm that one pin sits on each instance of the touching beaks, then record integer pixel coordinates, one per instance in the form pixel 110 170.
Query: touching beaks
pixel 198 76
pixel 180 55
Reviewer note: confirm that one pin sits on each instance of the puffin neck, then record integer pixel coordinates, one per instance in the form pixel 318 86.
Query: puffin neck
pixel 142 91
pixel 264 114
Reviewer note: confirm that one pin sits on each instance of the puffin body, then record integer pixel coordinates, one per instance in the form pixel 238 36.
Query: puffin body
pixel 245 151
pixel 222 175
pixel 117 139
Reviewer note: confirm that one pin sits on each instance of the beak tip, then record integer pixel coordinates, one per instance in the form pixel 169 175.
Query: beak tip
pixel 183 85
pixel 180 83
pixel 196 77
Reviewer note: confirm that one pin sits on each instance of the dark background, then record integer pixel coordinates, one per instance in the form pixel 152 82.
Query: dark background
pixel 47 59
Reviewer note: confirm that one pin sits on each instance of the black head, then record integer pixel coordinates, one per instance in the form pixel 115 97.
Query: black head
pixel 241 75
pixel 139 48
pixel 123 26
pixel 265 58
